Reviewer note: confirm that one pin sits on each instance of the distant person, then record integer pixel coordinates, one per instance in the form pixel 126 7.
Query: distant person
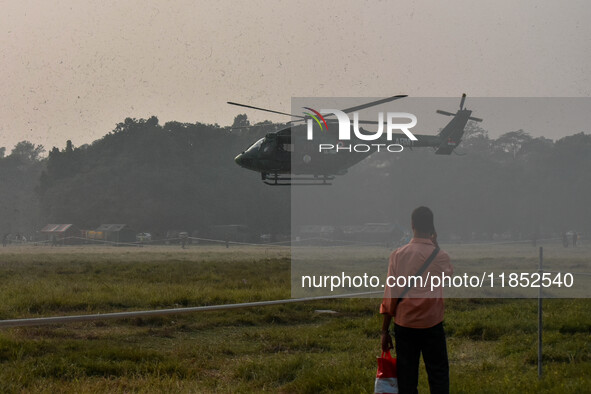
pixel 418 322
pixel 575 238
pixel 564 240
pixel 5 240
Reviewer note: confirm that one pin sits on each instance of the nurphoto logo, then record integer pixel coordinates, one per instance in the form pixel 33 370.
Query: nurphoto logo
pixel 344 123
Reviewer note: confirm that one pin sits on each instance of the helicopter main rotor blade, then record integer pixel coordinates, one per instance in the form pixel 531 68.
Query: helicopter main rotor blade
pixel 266 110
pixel 359 122
pixel 253 126
pixel 374 103
pixel 356 108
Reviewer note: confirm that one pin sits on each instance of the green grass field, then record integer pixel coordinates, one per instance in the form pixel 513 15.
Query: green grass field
pixel 285 348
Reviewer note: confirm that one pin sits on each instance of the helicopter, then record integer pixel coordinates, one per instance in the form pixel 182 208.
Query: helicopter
pixel 287 157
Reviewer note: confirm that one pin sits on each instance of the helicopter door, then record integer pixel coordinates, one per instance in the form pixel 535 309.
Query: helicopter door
pixel 284 148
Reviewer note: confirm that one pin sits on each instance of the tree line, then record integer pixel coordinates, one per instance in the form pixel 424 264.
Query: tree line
pixel 182 176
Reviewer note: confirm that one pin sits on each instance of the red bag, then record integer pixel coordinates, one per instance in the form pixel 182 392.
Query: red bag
pixel 387 377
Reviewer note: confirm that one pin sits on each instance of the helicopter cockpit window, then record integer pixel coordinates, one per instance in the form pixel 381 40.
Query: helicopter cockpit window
pixel 256 146
pixel 268 147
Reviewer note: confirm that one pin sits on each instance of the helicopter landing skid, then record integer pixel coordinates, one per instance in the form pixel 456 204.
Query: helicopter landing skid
pixel 278 180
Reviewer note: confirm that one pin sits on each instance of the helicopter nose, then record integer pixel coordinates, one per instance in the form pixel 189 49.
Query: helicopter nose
pixel 242 161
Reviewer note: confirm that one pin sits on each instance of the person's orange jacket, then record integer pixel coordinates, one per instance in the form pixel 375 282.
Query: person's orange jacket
pixel 421 307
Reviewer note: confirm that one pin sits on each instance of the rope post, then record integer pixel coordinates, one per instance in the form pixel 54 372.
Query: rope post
pixel 540 271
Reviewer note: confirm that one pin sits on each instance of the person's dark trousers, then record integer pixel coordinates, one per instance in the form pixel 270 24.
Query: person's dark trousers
pixel 410 343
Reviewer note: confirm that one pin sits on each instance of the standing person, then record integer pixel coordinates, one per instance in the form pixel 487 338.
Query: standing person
pixel 575 238
pixel 417 312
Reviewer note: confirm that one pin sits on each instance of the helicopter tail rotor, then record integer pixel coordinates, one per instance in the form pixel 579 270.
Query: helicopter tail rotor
pixel 462 101
pixel 452 133
pixel 445 113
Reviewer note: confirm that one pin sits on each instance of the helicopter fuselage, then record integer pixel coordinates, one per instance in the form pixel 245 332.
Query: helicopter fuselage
pixel 287 151
pixel 319 155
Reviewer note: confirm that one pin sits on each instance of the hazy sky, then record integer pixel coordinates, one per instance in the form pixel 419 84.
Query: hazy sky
pixel 74 69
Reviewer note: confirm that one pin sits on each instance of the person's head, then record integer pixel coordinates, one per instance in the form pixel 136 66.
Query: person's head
pixel 422 221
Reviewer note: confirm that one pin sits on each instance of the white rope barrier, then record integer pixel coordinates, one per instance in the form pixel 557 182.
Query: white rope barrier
pixel 291 242
pixel 38 321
